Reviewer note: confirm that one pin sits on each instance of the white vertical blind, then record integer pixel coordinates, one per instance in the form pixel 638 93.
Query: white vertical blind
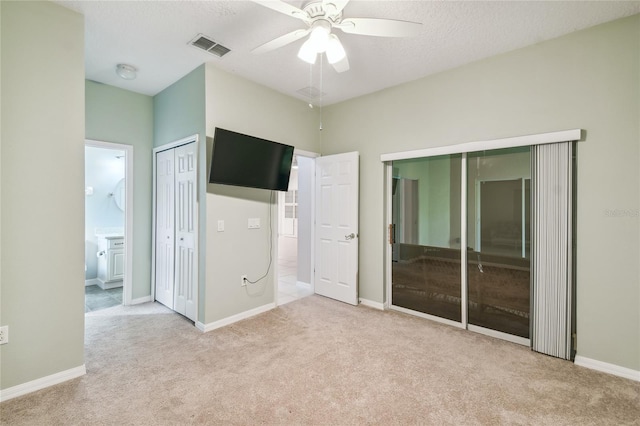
pixel 552 174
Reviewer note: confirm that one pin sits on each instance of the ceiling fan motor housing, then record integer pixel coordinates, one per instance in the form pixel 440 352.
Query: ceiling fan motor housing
pixel 316 10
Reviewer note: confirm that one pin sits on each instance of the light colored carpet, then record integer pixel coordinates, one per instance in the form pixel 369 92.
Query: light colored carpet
pixel 317 361
pixel 149 308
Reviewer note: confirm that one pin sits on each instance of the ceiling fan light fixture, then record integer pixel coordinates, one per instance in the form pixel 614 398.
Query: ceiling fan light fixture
pixel 308 52
pixel 320 35
pixel 335 50
pixel 321 17
pixel 128 72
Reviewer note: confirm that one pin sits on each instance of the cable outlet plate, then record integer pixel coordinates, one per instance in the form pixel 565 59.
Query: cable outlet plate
pixel 4 334
pixel 243 280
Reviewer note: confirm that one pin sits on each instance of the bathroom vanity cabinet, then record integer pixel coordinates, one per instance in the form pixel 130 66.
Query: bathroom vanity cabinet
pixel 110 261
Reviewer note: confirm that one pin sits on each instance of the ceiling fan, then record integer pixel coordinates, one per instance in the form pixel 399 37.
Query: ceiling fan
pixel 321 17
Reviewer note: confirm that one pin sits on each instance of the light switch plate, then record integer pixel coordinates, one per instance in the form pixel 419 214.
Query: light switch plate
pixel 220 225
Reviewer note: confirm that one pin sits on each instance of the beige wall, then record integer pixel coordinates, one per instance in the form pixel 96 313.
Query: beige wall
pixel 42 275
pixel 588 80
pixel 236 104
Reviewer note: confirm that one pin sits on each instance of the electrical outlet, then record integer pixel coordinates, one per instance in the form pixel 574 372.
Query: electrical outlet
pixel 4 334
pixel 243 280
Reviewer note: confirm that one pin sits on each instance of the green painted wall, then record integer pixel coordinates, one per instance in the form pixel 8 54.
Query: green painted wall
pixel 42 273
pixel 119 116
pixel 589 80
pixel 179 112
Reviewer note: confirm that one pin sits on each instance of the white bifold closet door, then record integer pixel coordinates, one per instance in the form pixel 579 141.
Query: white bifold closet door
pixel 176 266
pixel 165 232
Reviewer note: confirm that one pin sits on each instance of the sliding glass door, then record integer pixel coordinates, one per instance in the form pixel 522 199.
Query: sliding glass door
pixel 498 235
pixel 482 237
pixel 488 286
pixel 425 236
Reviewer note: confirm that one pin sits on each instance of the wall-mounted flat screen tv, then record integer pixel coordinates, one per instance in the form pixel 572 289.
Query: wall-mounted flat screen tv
pixel 243 160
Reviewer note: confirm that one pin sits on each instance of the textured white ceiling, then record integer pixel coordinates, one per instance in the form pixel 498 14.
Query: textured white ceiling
pixel 153 36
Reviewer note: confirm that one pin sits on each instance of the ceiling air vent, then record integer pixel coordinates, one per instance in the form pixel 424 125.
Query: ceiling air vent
pixel 205 43
pixel 311 92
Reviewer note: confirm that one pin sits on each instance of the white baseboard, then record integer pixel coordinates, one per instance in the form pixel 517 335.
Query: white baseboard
pixel 234 318
pixel 140 300
pixel 41 383
pixel 303 284
pixel 91 281
pixel 108 286
pixel 372 304
pixel 605 367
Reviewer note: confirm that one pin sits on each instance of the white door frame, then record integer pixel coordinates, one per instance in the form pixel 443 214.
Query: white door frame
pixel 127 281
pixel 388 218
pixel 275 222
pixel 189 139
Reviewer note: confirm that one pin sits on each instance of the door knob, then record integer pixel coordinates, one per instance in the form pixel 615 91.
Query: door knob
pixel 351 236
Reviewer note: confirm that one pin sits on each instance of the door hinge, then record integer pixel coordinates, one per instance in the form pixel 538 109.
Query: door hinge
pixel 391 229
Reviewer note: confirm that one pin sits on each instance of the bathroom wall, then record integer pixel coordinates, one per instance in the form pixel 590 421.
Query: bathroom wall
pixel 102 172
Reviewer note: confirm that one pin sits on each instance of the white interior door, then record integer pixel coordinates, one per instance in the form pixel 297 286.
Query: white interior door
pixel 165 218
pixel 185 228
pixel 337 197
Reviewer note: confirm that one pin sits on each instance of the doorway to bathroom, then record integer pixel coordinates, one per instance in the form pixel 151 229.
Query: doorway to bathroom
pixel 108 218
pixel 295 209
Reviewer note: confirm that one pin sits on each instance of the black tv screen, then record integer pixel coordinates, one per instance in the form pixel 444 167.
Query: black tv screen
pixel 243 160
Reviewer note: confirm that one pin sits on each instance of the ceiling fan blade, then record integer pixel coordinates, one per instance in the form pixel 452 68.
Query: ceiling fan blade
pixel 379 27
pixel 338 5
pixel 342 65
pixel 285 8
pixel 281 41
